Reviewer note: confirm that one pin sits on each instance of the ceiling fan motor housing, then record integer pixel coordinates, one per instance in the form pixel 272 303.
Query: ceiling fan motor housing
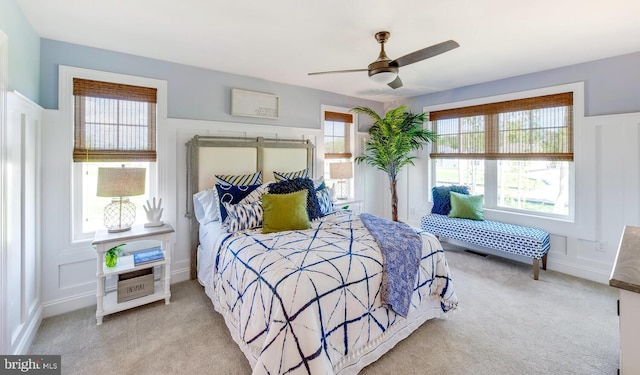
pixel 383 63
pixel 382 67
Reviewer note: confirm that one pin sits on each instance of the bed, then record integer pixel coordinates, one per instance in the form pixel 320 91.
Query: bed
pixel 324 299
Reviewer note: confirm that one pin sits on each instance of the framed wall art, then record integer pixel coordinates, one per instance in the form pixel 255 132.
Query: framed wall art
pixel 254 104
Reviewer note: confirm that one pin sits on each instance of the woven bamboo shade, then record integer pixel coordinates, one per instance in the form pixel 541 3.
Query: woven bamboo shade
pixel 539 128
pixel 113 122
pixel 339 117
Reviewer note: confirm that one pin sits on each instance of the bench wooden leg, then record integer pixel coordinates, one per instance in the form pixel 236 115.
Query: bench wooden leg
pixel 536 266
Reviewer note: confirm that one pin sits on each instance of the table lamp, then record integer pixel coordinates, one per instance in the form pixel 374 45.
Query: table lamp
pixel 119 184
pixel 341 172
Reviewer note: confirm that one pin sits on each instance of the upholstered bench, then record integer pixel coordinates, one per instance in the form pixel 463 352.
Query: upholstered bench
pixel 515 239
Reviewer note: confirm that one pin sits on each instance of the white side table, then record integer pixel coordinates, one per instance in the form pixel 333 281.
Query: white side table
pixel 103 241
pixel 354 205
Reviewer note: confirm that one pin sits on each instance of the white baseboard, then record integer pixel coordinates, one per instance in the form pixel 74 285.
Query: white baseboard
pixel 71 303
pixel 29 333
pixel 182 274
pixel 578 270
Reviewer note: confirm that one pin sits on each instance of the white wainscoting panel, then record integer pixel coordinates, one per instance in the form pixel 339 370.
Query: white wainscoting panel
pixel 22 286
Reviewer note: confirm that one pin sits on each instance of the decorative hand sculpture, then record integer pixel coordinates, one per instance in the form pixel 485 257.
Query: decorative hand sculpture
pixel 154 213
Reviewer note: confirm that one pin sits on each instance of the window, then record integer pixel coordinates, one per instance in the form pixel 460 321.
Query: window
pixel 337 135
pixel 337 148
pixel 92 207
pixel 114 125
pixel 518 153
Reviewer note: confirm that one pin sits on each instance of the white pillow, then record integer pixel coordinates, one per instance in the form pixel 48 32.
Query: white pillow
pixel 206 206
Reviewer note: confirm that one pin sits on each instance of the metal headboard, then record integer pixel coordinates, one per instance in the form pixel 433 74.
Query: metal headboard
pixel 261 145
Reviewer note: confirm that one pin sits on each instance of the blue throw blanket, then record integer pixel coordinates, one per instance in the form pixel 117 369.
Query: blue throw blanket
pixel 401 249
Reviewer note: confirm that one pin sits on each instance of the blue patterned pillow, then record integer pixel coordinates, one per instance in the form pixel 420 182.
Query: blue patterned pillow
pixel 243 216
pixel 324 200
pixel 256 195
pixel 232 195
pixel 297 184
pixel 319 184
pixel 442 199
pixel 281 176
pixel 243 179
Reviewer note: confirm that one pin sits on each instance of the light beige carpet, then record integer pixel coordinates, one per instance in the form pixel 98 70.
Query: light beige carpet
pixel 507 323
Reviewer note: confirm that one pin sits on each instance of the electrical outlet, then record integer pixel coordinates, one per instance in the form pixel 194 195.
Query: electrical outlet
pixel 601 246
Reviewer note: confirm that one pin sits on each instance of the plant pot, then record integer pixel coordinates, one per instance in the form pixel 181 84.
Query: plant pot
pixel 111 259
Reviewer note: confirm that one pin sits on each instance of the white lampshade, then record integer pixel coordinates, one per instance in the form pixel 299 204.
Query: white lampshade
pixel 384 77
pixel 340 171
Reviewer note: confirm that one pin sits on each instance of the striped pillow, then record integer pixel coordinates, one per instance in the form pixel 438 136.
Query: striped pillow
pixel 282 176
pixel 243 179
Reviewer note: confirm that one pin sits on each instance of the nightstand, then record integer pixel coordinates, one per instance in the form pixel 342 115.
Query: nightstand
pixel 354 205
pixel 103 241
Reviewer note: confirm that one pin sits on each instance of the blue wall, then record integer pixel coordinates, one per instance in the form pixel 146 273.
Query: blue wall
pixel 612 86
pixel 24 50
pixel 194 93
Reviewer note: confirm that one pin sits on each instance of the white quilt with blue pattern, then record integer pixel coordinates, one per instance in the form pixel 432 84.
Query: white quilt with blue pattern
pixel 308 301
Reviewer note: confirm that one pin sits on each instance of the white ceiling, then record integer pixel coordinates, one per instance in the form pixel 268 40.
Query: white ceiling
pixel 283 40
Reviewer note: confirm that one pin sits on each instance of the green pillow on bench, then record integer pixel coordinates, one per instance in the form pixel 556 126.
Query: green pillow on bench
pixel 466 206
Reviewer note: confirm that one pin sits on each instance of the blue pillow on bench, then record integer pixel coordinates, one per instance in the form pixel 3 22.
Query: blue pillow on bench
pixel 442 199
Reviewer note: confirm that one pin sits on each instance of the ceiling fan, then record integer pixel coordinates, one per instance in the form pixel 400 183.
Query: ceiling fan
pixel 384 70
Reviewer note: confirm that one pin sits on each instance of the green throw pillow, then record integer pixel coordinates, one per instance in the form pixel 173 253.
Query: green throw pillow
pixel 285 212
pixel 466 206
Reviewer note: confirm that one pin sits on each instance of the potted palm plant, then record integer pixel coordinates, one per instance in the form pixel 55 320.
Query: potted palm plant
pixel 391 140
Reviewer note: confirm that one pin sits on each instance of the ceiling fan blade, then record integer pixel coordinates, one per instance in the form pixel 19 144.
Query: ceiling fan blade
pixel 338 71
pixel 426 53
pixel 396 83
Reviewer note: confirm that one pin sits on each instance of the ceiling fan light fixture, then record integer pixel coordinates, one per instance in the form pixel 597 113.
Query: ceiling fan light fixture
pixel 384 77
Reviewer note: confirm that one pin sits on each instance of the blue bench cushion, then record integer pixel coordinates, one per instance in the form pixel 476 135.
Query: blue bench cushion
pixel 516 239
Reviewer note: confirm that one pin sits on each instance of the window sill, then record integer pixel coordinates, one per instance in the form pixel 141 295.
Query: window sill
pixel 502 212
pixel 553 225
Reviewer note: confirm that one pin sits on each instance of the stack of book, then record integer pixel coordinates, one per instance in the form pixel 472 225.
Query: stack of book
pixel 148 256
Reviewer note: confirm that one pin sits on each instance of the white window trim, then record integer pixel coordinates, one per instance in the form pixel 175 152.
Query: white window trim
pixel 65 105
pixel 581 219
